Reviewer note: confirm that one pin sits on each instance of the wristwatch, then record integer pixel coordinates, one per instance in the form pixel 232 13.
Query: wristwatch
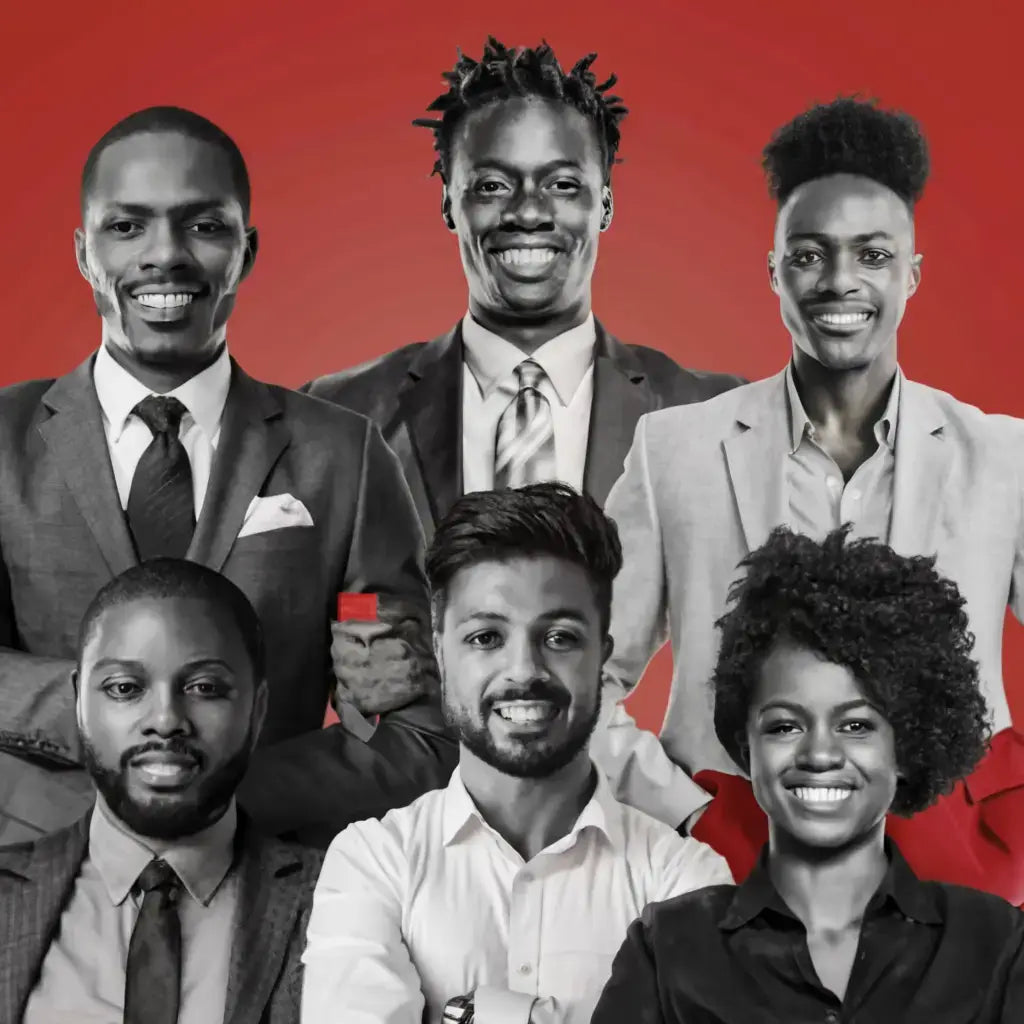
pixel 459 1009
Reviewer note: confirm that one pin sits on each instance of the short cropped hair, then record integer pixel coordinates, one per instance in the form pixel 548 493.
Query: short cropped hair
pixel 893 621
pixel 848 136
pixel 540 519
pixel 179 121
pixel 178 578
pixel 503 73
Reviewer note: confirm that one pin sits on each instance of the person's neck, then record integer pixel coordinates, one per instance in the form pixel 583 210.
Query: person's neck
pixel 161 379
pixel 529 335
pixel 845 403
pixel 529 814
pixel 828 890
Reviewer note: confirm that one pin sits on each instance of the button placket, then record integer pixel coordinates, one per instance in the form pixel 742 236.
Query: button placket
pixel 524 932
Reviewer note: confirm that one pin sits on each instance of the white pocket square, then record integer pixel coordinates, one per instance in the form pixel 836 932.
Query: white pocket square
pixel 274 512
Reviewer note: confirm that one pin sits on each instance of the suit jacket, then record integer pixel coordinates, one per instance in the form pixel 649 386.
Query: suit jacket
pixel 63 535
pixel 414 394
pixel 704 486
pixel 276 883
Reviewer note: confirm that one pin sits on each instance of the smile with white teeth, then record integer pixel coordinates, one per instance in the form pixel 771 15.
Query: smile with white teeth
pixel 821 794
pixel 843 319
pixel 164 771
pixel 525 712
pixel 521 256
pixel 157 300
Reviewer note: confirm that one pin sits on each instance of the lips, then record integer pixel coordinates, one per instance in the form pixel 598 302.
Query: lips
pixel 526 712
pixel 165 769
pixel 166 302
pixel 840 319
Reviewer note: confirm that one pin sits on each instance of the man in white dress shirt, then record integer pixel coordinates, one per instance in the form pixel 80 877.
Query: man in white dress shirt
pixel 502 898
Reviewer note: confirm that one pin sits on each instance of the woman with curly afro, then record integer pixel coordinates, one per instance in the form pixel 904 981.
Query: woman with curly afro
pixel 846 689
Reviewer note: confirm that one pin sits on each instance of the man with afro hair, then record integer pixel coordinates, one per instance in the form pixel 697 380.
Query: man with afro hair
pixel 840 435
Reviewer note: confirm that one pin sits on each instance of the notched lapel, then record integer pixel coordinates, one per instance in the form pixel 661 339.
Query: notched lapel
pixel 252 439
pixel 76 439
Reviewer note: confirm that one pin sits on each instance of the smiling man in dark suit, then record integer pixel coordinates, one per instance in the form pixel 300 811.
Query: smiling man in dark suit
pixel 162 904
pixel 528 386
pixel 160 445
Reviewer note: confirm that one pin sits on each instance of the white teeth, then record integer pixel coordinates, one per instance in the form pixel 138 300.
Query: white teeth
pixel 819 795
pixel 157 301
pixel 843 319
pixel 523 712
pixel 163 770
pixel 518 256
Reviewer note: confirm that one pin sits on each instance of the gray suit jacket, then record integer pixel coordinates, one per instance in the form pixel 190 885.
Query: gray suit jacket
pixel 703 486
pixel 414 394
pixel 276 883
pixel 63 535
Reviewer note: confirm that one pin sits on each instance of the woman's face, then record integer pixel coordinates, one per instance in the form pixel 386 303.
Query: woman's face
pixel 822 757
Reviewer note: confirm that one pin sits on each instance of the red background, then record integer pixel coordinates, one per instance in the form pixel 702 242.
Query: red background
pixel 354 258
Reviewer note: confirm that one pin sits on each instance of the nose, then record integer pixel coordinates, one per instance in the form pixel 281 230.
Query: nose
pixel 820 750
pixel 527 210
pixel 166 715
pixel 525 660
pixel 165 248
pixel 839 275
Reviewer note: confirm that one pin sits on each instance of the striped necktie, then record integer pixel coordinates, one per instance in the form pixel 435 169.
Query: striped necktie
pixel 525 444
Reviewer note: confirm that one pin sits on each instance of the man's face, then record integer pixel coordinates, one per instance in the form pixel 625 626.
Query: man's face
pixel 164 246
pixel 822 758
pixel 169 711
pixel 527 199
pixel 520 649
pixel 843 267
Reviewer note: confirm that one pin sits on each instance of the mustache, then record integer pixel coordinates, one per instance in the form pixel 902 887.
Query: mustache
pixel 178 747
pixel 539 689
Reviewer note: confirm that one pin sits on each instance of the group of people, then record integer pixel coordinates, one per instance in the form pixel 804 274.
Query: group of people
pixel 471 548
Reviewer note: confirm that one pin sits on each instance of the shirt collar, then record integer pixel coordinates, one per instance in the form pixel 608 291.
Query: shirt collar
pixel 201 861
pixel 203 395
pixel 800 425
pixel 565 358
pixel 603 813
pixel 914 898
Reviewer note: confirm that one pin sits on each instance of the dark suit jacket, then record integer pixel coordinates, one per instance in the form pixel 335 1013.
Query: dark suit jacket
pixel 414 395
pixel 276 883
pixel 63 535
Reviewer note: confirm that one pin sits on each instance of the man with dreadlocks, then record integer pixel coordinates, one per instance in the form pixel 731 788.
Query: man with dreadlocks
pixel 840 435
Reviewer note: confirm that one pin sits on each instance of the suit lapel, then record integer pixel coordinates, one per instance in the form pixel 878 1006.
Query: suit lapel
pixel 430 408
pixel 44 873
pixel 923 461
pixel 621 396
pixel 75 437
pixel 756 457
pixel 271 894
pixel 252 438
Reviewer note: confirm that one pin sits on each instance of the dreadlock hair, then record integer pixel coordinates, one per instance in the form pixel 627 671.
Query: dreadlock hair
pixel 897 625
pixel 848 136
pixel 503 73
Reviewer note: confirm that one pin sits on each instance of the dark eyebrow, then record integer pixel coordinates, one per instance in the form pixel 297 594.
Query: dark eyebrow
pixel 817 236
pixel 785 705
pixel 139 667
pixel 555 613
pixel 543 169
pixel 182 210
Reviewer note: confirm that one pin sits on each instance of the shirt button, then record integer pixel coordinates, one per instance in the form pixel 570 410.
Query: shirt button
pixel 526 877
pixel 855 495
pixel 833 483
pixel 831 1017
pixel 525 969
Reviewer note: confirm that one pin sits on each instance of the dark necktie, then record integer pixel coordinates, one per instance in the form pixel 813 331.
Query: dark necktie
pixel 152 984
pixel 161 512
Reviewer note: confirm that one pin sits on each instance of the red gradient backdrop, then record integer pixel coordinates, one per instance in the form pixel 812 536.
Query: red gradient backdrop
pixel 354 257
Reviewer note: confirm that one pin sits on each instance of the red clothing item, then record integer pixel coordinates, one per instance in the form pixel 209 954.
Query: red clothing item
pixel 974 836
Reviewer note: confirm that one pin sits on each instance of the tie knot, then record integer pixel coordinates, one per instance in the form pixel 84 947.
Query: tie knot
pixel 157 874
pixel 530 373
pixel 161 414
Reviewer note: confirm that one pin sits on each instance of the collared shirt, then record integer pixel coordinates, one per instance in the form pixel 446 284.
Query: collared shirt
pixel 431 903
pixel 83 973
pixel 929 953
pixel 489 386
pixel 204 396
pixel 818 500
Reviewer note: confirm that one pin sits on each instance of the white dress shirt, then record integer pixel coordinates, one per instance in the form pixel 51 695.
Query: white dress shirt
pixel 204 396
pixel 431 903
pixel 488 383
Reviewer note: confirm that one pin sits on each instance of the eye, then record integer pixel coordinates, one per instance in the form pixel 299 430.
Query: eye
pixel 566 185
pixel 122 689
pixel 875 257
pixel 207 686
pixel 490 186
pixel 804 258
pixel 486 640
pixel 206 227
pixel 562 640
pixel 857 727
pixel 124 228
pixel 782 728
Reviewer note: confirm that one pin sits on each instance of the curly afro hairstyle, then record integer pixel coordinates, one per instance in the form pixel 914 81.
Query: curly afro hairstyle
pixel 848 136
pixel 503 73
pixel 895 623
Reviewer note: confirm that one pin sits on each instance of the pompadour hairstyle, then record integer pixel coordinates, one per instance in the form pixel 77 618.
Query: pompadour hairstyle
pixel 848 136
pixel 178 578
pixel 895 623
pixel 540 519
pixel 503 73
pixel 183 122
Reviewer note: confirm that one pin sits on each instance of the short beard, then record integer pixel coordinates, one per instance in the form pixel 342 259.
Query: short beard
pixel 173 817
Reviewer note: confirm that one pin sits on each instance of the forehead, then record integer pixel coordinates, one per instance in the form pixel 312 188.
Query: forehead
pixel 526 132
pixel 799 675
pixel 161 168
pixel 844 206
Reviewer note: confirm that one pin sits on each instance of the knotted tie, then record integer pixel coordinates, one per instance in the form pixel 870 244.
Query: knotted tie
pixel 153 976
pixel 525 444
pixel 161 512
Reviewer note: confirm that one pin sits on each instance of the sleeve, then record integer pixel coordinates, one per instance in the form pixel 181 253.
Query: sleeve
pixel 640 772
pixel 356 967
pixel 631 993
pixel 680 865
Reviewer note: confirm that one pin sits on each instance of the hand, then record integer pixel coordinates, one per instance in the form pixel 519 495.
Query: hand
pixel 383 665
